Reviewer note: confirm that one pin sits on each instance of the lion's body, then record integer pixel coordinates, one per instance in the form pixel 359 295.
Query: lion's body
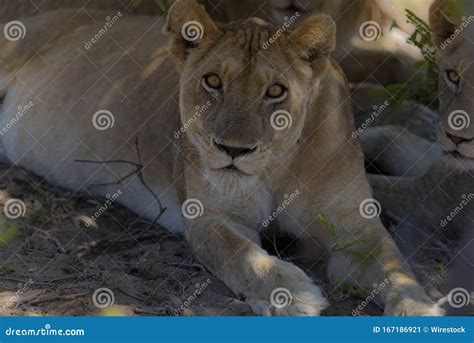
pixel 129 73
pixel 67 84
pixel 361 60
pixel 439 199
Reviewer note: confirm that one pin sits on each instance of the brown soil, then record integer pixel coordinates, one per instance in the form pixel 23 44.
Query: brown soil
pixel 51 262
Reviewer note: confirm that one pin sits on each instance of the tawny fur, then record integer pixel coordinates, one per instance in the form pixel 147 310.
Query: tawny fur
pixel 130 74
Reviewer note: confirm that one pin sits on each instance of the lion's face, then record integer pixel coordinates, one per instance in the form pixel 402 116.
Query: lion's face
pixel 245 93
pixel 455 51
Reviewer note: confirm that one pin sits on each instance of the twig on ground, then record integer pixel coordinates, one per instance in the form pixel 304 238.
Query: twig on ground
pixel 153 311
pixel 48 298
pixel 49 236
pixel 130 295
pixel 187 265
pixel 138 172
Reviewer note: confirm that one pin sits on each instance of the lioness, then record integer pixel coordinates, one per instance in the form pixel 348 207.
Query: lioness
pixel 383 56
pixel 442 199
pixel 257 139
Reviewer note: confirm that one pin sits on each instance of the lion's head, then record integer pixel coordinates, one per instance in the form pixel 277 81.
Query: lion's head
pixel 452 23
pixel 245 87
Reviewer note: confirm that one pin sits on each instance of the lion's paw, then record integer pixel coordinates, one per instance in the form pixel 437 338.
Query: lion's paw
pixel 293 299
pixel 410 307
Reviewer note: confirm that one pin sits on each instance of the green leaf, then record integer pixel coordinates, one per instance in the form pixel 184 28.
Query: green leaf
pixel 8 230
pixel 161 4
pixel 327 225
pixel 394 25
pixel 423 88
pixel 136 3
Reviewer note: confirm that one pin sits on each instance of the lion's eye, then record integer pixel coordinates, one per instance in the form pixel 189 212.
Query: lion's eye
pixel 213 81
pixel 276 91
pixel 452 76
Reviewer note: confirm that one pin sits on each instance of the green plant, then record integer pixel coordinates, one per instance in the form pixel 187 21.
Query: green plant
pixel 327 225
pixel 424 88
pixel 8 230
pixel 361 250
pixel 160 3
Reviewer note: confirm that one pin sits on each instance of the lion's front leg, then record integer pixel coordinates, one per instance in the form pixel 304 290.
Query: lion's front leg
pixel 364 253
pixel 270 286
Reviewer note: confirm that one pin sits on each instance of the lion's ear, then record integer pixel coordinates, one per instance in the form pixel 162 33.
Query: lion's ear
pixel 442 21
pixel 314 38
pixel 188 24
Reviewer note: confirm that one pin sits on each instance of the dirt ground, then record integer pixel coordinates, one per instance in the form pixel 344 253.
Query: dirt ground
pixel 51 262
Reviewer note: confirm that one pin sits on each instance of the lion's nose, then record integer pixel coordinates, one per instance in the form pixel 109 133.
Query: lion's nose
pixel 233 151
pixel 456 140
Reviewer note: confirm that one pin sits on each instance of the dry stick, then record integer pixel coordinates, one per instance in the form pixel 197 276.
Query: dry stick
pixel 44 282
pixel 154 311
pixel 130 295
pixel 49 236
pixel 49 298
pixel 138 171
pixel 186 265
